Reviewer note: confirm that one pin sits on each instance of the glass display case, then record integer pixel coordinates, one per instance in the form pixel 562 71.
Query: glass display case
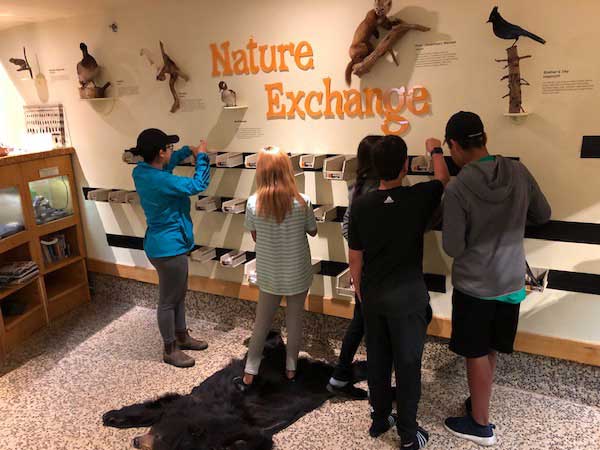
pixel 51 199
pixel 11 212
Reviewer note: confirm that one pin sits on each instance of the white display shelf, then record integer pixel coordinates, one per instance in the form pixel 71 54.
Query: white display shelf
pixel 340 167
pixel 101 99
pixel 518 118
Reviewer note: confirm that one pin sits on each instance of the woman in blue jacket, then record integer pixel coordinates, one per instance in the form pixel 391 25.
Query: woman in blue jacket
pixel 169 236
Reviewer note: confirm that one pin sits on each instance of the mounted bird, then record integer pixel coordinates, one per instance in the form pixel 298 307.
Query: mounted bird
pixel 87 68
pixel 228 96
pixel 506 30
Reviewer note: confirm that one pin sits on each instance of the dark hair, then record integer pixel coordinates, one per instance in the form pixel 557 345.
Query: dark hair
pixel 389 156
pixel 472 143
pixel 149 153
pixel 365 170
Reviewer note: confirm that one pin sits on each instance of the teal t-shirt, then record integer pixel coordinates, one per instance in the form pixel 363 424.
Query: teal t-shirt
pixel 514 297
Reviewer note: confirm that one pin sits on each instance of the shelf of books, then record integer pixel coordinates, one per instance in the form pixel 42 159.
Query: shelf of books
pixel 43 271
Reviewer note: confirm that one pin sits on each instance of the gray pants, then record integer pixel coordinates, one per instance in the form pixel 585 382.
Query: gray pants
pixel 172 286
pixel 265 313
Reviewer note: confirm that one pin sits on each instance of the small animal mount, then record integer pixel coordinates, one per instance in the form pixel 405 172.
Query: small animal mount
pixel 169 67
pixel 506 30
pixel 228 96
pixel 87 70
pixel 363 55
pixel 22 64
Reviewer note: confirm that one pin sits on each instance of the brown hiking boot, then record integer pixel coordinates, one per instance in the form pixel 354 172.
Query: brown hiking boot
pixel 174 356
pixel 186 342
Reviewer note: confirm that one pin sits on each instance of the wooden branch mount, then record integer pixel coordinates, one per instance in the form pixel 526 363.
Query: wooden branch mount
pixel 385 45
pixel 515 81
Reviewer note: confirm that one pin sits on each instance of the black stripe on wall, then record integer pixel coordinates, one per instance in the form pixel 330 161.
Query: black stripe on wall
pixel 585 283
pixel 560 231
pixel 131 242
pixel 556 230
pixel 435 283
pixel 590 147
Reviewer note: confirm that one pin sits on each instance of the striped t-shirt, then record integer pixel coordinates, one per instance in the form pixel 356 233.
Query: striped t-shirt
pixel 283 263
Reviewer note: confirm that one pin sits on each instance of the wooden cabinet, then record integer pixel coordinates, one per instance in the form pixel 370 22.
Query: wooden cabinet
pixel 51 236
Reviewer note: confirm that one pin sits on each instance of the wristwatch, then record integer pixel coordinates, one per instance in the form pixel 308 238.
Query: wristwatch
pixel 436 151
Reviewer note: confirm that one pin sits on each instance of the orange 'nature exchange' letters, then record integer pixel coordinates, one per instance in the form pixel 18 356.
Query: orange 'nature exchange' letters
pixel 255 58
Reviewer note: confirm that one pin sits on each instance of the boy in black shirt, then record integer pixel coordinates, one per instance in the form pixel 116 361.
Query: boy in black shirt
pixel 386 263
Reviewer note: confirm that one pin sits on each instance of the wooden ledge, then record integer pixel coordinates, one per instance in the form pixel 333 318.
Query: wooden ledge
pixel 23 157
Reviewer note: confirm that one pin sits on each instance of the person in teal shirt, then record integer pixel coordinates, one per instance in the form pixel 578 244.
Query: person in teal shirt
pixel 169 236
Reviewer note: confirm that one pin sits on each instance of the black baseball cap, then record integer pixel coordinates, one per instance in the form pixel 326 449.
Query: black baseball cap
pixel 464 125
pixel 155 139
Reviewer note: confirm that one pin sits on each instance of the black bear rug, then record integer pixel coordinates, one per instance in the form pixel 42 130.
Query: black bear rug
pixel 216 416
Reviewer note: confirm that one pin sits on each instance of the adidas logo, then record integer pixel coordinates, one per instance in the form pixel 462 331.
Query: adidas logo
pixel 389 200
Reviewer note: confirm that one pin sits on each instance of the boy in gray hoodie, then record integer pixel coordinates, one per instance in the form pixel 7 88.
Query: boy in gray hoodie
pixel 486 209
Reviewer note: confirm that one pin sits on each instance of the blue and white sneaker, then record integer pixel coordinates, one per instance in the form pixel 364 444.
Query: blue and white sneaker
pixel 466 428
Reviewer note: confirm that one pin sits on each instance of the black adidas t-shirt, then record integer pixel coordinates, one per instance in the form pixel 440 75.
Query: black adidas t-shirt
pixel 388 226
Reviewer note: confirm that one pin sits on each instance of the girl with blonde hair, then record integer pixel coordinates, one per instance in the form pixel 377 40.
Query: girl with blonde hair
pixel 279 217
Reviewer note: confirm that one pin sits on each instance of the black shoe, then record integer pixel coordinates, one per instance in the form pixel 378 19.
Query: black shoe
pixel 466 428
pixel 469 406
pixel 359 371
pixel 349 391
pixel 420 442
pixel 238 382
pixel 381 427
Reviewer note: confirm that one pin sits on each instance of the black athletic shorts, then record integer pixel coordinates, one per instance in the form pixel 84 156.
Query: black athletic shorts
pixel 481 326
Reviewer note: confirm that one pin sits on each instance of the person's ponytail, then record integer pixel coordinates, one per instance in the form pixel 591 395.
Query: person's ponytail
pixel 148 153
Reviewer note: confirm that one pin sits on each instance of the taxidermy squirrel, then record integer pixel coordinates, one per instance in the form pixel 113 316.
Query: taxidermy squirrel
pixel 174 72
pixel 361 44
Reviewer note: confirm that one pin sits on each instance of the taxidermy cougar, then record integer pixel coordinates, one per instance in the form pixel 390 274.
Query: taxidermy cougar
pixel 361 44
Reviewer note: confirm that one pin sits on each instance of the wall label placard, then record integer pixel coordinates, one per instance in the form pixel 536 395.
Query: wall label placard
pixel 328 103
pixel 125 89
pixel 58 74
pixel 436 54
pixel 561 81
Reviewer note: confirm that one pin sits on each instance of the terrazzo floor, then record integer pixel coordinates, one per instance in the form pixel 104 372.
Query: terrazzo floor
pixel 54 390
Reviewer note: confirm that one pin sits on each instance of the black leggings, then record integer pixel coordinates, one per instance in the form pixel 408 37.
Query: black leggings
pixel 352 339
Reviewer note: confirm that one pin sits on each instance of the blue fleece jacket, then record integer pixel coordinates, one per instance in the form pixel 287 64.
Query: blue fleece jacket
pixel 165 200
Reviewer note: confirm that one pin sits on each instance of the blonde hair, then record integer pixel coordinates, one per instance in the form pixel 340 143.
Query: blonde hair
pixel 275 185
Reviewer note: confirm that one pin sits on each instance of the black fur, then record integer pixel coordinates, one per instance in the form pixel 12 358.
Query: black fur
pixel 217 416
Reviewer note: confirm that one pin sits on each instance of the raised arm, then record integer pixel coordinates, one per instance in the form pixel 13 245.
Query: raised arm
pixel 440 168
pixel 177 157
pixel 176 185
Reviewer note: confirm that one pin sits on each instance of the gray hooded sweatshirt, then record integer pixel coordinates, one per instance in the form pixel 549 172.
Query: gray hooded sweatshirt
pixel 486 209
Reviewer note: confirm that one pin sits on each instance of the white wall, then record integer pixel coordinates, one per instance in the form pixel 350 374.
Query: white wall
pixel 548 143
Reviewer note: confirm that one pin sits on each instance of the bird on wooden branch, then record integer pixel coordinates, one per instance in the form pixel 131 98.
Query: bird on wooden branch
pixel 506 30
pixel 22 64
